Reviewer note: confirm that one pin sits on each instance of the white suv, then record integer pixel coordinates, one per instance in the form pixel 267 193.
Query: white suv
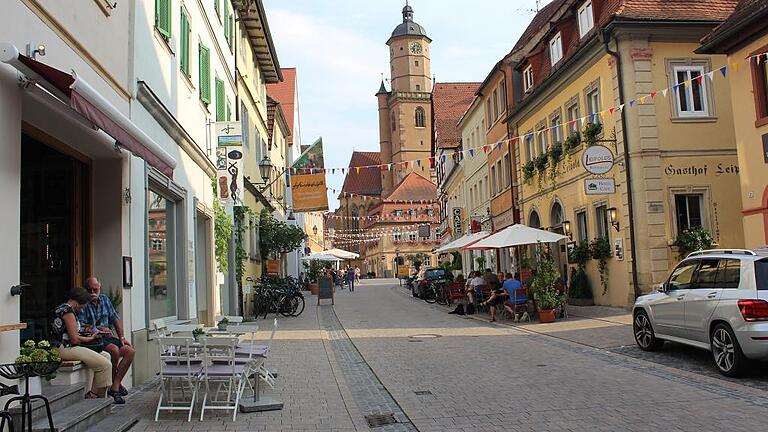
pixel 714 299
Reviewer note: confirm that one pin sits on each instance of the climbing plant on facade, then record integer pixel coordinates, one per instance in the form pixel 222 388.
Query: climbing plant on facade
pixel 600 250
pixel 222 233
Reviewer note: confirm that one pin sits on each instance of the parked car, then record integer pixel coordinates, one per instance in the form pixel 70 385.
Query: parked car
pixel 429 275
pixel 714 299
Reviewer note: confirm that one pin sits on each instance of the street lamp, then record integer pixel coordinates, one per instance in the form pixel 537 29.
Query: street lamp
pixel 613 217
pixel 567 229
pixel 265 168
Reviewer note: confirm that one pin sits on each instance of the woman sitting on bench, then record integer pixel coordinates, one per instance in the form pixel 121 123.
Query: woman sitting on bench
pixel 66 336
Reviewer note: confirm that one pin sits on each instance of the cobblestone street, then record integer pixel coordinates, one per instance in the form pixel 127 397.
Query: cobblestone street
pixel 438 372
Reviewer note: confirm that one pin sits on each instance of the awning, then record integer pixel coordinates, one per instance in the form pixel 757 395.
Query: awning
pixel 339 253
pixel 321 257
pixel 81 97
pixel 462 242
pixel 516 235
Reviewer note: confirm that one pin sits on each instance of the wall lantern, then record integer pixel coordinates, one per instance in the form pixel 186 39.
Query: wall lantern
pixel 265 168
pixel 567 229
pixel 613 217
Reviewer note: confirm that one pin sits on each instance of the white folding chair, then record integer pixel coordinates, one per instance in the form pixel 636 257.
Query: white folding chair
pixel 160 327
pixel 222 371
pixel 180 367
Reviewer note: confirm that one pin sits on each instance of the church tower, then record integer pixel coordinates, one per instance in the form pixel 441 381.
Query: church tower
pixel 405 112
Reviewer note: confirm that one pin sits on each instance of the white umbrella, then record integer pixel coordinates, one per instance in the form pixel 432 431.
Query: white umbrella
pixel 462 242
pixel 516 235
pixel 321 257
pixel 339 253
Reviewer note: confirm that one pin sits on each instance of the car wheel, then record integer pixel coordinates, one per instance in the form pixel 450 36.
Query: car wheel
pixel 643 330
pixel 726 352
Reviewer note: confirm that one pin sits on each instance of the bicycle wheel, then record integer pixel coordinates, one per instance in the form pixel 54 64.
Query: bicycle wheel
pixel 286 306
pixel 299 301
pixel 442 297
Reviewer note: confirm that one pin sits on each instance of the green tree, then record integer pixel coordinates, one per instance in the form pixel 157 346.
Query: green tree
pixel 277 237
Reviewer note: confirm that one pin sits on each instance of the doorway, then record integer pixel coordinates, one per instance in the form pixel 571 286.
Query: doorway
pixel 55 246
pixel 203 257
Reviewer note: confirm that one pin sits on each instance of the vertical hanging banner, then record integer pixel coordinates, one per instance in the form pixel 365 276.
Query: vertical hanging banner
pixel 229 163
pixel 309 191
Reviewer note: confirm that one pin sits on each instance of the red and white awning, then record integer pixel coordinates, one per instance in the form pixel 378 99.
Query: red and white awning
pixel 81 97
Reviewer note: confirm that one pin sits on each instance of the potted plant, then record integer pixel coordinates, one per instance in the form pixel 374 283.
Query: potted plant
pixel 314 269
pixel 580 292
pixel 222 325
pixel 196 333
pixel 41 360
pixel 692 240
pixel 544 286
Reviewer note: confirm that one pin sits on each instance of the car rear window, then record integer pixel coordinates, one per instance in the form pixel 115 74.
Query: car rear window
pixel 434 274
pixel 761 274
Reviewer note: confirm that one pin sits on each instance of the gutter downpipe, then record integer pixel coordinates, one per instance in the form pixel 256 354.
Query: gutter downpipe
pixel 605 36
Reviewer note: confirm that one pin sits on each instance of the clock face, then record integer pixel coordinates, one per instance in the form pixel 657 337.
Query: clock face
pixel 415 48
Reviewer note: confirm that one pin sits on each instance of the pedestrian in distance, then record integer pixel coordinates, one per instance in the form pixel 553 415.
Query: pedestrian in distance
pixel 351 276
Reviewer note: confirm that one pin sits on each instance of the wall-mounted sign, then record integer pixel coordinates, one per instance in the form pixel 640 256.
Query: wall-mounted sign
pixel 229 163
pixel 424 231
pixel 597 159
pixel 273 267
pixel 618 248
pixel 599 186
pixel 309 188
pixel 457 222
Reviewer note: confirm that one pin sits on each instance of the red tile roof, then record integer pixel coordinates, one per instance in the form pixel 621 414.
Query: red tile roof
pixel 670 10
pixel 738 28
pixel 539 21
pixel 414 187
pixel 367 181
pixel 449 102
pixel 285 93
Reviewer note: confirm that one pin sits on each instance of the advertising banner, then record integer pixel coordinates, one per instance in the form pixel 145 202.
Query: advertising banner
pixel 308 186
pixel 229 163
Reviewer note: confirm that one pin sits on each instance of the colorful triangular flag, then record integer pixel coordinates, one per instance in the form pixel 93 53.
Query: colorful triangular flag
pixel 723 70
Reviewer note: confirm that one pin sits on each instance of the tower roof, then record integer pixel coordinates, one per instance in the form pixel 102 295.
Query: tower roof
pixel 408 27
pixel 382 89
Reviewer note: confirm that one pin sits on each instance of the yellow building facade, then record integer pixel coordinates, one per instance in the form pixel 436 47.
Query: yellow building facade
pixel 674 157
pixel 744 39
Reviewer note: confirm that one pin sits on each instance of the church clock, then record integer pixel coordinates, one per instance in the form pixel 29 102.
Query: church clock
pixel 415 48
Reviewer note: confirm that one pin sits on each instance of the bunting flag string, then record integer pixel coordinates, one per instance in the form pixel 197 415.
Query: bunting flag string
pixel 759 58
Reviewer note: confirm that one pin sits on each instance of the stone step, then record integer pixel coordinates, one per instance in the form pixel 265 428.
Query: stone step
pixel 120 420
pixel 78 417
pixel 59 397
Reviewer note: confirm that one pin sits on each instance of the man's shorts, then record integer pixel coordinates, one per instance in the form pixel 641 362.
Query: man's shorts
pixel 113 341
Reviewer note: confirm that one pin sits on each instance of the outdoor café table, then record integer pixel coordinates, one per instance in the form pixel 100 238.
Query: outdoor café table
pixel 214 331
pixel 183 328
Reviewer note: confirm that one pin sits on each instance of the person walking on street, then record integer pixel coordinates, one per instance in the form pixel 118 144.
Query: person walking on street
pixel 351 277
pixel 357 274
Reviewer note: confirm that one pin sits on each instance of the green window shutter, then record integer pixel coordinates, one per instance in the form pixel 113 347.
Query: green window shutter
pixel 216 7
pixel 205 74
pixel 229 112
pixel 220 101
pixel 227 30
pixel 231 30
pixel 184 24
pixel 163 17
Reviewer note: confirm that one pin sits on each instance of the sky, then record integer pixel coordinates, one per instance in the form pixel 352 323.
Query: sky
pixel 338 47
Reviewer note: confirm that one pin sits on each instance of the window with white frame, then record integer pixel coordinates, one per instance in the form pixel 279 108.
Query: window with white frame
pixel 688 211
pixel 601 221
pixel 556 49
pixel 691 91
pixel 557 130
pixel 412 236
pixel 507 170
pixel 586 18
pixel 582 234
pixel 572 113
pixel 529 147
pixel 528 78
pixel 495 104
pixel 397 236
pixel 493 180
pixel 500 179
pixel 543 141
pixel 503 94
pixel 593 104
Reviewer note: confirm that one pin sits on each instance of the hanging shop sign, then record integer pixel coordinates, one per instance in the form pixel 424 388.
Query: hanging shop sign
pixel 229 163
pixel 598 186
pixel 309 191
pixel 597 159
pixel 457 222
pixel 273 267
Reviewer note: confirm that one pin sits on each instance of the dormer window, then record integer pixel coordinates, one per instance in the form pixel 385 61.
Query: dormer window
pixel 556 49
pixel 586 18
pixel 528 78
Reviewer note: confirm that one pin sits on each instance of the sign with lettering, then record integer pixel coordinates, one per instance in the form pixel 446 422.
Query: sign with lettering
pixel 597 159
pixel 309 192
pixel 457 222
pixel 599 186
pixel 273 267
pixel 701 170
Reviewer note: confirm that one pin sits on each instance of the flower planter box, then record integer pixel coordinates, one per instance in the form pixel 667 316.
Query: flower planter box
pixel 547 316
pixel 314 288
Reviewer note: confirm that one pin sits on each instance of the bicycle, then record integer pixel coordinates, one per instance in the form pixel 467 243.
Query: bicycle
pixel 278 295
pixel 436 292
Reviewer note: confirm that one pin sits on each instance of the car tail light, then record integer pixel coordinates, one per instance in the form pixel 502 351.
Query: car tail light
pixel 754 309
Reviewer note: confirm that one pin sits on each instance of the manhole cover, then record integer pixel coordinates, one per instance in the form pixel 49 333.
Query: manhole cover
pixel 415 340
pixel 423 392
pixel 377 420
pixel 424 336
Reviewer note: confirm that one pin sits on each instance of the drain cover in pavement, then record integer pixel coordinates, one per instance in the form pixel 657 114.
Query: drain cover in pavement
pixel 377 420
pixel 423 392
